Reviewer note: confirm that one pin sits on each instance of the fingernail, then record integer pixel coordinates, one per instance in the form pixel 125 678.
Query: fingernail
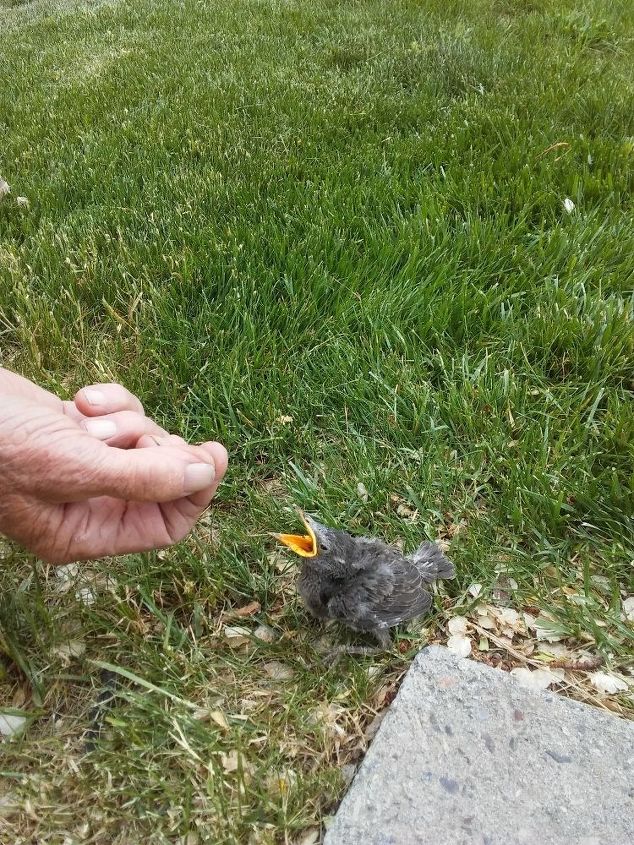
pixel 197 477
pixel 94 397
pixel 101 429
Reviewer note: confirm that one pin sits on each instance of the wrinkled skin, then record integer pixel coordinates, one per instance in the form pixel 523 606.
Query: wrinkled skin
pixel 94 476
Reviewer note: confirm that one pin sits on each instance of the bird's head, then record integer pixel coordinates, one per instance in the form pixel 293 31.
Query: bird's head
pixel 318 543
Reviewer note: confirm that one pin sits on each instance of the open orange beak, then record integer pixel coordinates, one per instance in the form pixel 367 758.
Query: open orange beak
pixel 304 545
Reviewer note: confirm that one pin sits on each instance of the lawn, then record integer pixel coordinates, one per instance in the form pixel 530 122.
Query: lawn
pixel 384 251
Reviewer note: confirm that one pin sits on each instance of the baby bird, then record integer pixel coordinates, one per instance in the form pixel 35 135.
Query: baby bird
pixel 361 581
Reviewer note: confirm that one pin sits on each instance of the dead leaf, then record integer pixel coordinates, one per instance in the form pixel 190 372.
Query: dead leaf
pixel 9 804
pixel 4 188
pixel 11 724
pixel 607 682
pixel 510 617
pixel 452 529
pixel 628 609
pixel 459 644
pixel 406 512
pixel 280 783
pixel 475 590
pixel 309 837
pixel 67 651
pixel 264 834
pixel 582 663
pixel 384 696
pixel 372 729
pixel 273 487
pixel 545 628
pixel 510 621
pixel 285 419
pixel 265 633
pixel 280 562
pixel 85 595
pixel 362 491
pixel 326 715
pixel 230 762
pixel 19 697
pixel 241 612
pixel 66 575
pixel 559 650
pixel 502 589
pixel 603 584
pixel 22 202
pixel 219 718
pixel 537 679
pixel 237 636
pixel 348 771
pixel 278 671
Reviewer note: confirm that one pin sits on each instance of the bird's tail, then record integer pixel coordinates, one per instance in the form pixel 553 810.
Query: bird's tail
pixel 431 562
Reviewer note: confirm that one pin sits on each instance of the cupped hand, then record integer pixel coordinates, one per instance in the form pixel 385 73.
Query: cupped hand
pixel 94 476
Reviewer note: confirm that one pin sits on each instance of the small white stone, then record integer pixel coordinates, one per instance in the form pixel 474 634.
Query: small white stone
pixel 278 671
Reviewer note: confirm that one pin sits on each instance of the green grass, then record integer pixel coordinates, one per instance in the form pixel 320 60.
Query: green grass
pixel 347 213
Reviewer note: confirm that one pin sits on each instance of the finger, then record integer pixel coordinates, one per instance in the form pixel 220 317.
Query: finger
pixel 181 515
pixel 122 429
pixel 71 410
pixel 215 450
pixel 149 441
pixel 99 399
pixel 220 458
pixel 140 475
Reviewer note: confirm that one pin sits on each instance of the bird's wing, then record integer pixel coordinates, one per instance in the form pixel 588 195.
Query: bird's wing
pixel 431 562
pixel 385 590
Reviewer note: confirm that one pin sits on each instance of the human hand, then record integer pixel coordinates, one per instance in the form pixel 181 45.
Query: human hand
pixel 95 476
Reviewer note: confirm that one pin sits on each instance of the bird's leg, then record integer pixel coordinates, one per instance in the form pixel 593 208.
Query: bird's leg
pixel 364 650
pixel 333 655
pixel 381 634
pixel 383 637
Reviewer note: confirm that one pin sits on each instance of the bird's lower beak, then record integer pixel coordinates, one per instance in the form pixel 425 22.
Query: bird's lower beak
pixel 304 545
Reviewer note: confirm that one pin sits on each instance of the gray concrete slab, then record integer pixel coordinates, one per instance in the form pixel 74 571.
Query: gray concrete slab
pixel 466 756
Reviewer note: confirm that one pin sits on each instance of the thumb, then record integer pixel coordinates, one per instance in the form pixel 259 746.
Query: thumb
pixel 138 475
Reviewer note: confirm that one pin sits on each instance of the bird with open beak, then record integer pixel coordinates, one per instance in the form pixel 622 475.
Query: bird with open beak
pixel 361 581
